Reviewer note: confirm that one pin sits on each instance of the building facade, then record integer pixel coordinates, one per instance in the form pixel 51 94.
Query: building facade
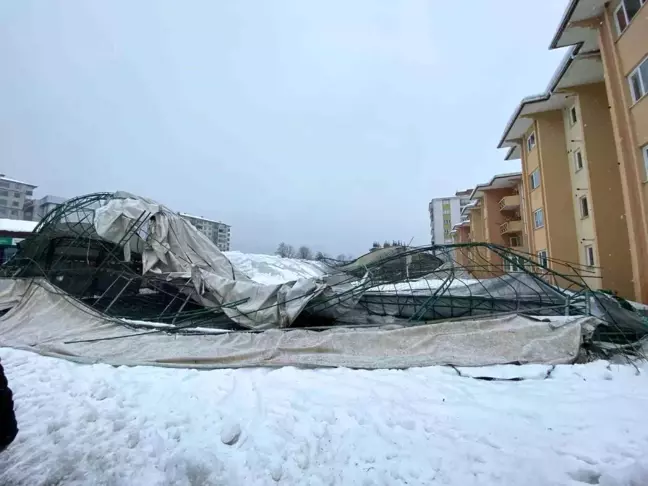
pixel 13 197
pixel 583 146
pixel 37 209
pixel 219 233
pixel 616 32
pixel 444 214
pixel 493 215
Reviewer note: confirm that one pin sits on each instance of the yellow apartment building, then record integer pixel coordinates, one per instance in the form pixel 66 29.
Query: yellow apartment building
pixel 501 210
pixel 571 180
pixel 494 215
pixel 461 234
pixel 615 33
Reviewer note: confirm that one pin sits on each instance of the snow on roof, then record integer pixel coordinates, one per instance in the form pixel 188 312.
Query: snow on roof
pixel 17 225
pixel 187 215
pixel 272 269
pixel 16 181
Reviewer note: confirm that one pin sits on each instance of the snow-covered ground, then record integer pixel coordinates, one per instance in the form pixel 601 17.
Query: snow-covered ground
pixel 94 424
pixel 272 269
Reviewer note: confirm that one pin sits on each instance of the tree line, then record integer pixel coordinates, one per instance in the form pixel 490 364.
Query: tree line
pixel 303 252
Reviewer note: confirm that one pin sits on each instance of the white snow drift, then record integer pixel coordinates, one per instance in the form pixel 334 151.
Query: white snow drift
pixel 95 424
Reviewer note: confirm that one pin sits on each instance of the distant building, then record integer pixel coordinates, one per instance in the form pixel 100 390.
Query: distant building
pixel 217 232
pixel 13 197
pixel 445 212
pixel 12 232
pixel 37 209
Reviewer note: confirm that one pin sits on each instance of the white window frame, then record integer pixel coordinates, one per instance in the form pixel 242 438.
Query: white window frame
pixel 515 265
pixel 543 258
pixel 643 83
pixel 616 18
pixel 580 205
pixel 535 218
pixel 573 116
pixel 589 256
pixel 531 141
pixel 534 184
pixel 578 161
pixel 625 15
pixel 644 151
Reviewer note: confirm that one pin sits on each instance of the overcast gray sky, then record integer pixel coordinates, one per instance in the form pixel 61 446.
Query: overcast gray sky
pixel 330 123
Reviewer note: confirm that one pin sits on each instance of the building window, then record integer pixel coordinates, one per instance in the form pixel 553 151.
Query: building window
pixel 542 258
pixel 29 192
pixel 15 204
pixel 578 160
pixel 4 193
pixel 584 207
pixel 573 117
pixel 514 241
pixel 644 151
pixel 589 255
pixel 535 179
pixel 515 264
pixel 3 202
pixel 538 218
pixel 531 142
pixel 625 12
pixel 638 80
pixel 5 184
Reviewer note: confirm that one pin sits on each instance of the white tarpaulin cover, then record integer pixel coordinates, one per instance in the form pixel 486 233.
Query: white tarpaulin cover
pixel 176 248
pixel 50 322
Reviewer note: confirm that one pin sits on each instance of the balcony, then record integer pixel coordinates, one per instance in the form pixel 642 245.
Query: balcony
pixel 511 227
pixel 508 203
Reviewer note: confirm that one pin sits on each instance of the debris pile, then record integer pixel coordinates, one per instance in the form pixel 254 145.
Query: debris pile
pixel 127 262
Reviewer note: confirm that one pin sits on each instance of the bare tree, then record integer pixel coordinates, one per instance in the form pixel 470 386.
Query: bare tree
pixel 386 244
pixel 285 251
pixel 375 246
pixel 304 253
pixel 319 256
pixel 282 250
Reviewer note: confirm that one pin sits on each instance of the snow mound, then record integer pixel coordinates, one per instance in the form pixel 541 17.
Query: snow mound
pixel 97 424
pixel 272 269
pixel 17 225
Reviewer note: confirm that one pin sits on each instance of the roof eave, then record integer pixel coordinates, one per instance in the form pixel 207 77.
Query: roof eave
pixel 564 22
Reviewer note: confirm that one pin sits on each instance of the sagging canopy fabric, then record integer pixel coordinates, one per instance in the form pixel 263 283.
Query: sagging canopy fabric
pixel 49 321
pixel 176 248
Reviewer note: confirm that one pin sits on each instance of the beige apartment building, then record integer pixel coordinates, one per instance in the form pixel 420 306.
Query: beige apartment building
pixel 494 215
pixel 615 33
pixel 582 146
pixel 461 234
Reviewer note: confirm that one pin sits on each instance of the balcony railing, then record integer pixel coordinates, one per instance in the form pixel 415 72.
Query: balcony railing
pixel 508 203
pixel 509 227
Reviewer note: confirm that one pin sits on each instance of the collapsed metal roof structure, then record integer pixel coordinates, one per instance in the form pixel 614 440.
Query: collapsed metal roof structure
pixel 136 262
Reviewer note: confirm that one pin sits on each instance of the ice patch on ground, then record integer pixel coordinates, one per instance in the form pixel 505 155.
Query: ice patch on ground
pixel 96 424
